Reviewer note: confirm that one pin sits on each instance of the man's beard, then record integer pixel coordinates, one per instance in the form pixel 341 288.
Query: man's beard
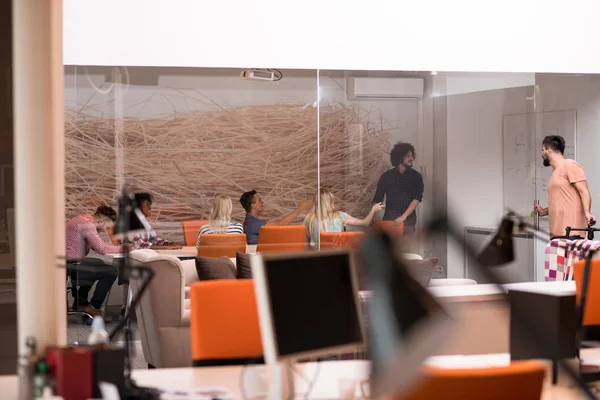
pixel 546 162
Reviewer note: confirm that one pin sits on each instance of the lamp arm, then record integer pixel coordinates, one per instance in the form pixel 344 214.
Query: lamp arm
pixel 443 224
pixel 529 228
pixel 541 236
pixel 538 234
pixel 136 300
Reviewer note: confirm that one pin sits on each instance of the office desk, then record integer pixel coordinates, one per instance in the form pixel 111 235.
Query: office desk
pixel 326 385
pixel 551 319
pixel 184 252
pixel 328 375
pixel 490 291
pixel 188 252
pixel 484 314
pixel 191 252
pixel 330 372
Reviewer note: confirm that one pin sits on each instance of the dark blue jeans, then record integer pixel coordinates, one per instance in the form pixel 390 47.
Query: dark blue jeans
pixel 82 282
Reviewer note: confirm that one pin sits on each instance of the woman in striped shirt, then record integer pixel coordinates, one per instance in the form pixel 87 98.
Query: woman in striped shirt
pixel 220 219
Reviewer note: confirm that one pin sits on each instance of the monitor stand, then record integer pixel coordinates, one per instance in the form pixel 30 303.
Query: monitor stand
pixel 282 381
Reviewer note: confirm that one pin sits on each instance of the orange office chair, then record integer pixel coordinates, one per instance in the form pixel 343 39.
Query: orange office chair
pixel 345 240
pixel 219 245
pixel 224 323
pixel 521 380
pixel 281 239
pixel 191 229
pixel 588 310
pixel 389 227
pixel 591 308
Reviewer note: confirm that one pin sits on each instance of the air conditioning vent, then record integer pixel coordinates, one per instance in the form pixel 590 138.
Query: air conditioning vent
pixel 384 88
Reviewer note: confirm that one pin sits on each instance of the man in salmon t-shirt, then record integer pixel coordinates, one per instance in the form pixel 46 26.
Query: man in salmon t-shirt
pixel 569 199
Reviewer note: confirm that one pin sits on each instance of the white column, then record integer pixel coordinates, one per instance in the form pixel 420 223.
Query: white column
pixel 39 170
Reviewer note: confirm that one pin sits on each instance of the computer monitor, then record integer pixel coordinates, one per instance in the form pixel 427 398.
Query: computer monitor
pixel 308 304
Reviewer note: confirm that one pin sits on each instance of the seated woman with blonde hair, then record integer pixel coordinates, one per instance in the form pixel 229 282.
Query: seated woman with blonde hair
pixel 330 219
pixel 219 220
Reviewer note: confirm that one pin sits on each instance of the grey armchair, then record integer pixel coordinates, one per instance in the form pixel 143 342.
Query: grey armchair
pixel 163 313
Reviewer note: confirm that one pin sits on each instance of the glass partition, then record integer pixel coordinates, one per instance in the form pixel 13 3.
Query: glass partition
pixel 361 121
pixel 566 105
pixel 470 141
pixel 186 136
pixel 487 123
pixel 471 156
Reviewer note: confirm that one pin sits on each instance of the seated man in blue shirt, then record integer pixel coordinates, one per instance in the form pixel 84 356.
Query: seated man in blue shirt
pixel 253 205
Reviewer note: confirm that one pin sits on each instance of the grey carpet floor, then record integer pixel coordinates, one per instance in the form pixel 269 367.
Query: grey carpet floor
pixel 77 333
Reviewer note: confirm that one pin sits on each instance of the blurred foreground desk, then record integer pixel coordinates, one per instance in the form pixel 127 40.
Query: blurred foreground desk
pixel 327 376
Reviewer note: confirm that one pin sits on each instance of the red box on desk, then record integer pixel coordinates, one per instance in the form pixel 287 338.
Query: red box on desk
pixel 78 370
pixel 72 369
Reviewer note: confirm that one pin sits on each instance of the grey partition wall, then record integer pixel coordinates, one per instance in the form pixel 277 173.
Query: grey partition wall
pixel 522 269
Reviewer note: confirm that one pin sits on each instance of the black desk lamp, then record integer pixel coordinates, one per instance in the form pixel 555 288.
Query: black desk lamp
pixel 390 323
pixel 499 251
pixel 130 220
pixel 130 223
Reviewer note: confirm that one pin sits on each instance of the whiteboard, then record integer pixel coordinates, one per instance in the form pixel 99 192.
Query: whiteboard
pixel 525 177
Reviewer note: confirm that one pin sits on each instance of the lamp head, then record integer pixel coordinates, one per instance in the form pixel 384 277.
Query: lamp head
pixel 130 221
pixel 499 249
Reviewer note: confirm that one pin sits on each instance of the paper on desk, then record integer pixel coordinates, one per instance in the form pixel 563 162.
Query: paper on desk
pixel 200 393
pixel 469 361
pixel 109 391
